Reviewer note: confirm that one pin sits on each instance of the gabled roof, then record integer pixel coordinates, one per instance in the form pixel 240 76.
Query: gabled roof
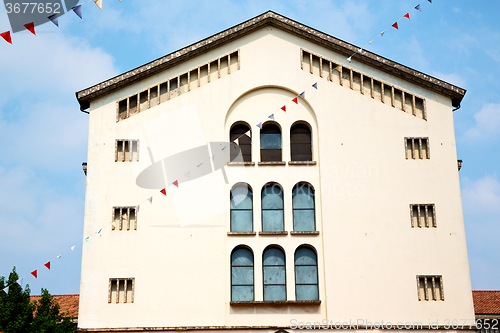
pixel 272 19
pixel 66 303
pixel 486 301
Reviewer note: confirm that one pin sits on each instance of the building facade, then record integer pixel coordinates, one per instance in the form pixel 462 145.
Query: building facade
pixel 257 180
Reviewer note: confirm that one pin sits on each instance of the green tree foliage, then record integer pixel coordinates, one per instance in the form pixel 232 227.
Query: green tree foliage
pixel 19 315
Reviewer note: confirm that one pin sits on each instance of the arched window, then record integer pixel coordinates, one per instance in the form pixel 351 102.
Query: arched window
pixel 306 274
pixel 241 208
pixel 270 143
pixel 244 142
pixel 272 208
pixel 300 142
pixel 242 275
pixel 303 208
pixel 274 274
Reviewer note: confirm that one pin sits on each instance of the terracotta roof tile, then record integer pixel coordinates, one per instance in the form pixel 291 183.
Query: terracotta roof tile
pixel 486 301
pixel 66 303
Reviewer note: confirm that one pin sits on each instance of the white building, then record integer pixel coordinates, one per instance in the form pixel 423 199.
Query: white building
pixel 346 208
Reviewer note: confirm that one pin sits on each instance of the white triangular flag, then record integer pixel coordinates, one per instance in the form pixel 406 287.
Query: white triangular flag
pixel 150 199
pixel 20 282
pixel 248 133
pixel 349 59
pixel 371 41
pixel 188 174
pixel 136 208
pixel 98 3
pixel 73 248
pixel 382 33
pixel 59 256
pixel 360 51
pixel 237 141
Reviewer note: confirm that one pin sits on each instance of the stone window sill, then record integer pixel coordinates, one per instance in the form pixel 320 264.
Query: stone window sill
pixel 275 303
pixel 241 163
pixel 304 233
pixel 273 233
pixel 272 163
pixel 241 233
pixel 301 162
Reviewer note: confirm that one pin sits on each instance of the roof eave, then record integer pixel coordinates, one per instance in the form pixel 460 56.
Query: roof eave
pixel 455 93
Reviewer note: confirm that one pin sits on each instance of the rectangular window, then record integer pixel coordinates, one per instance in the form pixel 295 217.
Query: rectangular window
pixel 417 148
pixel 127 150
pixel 423 216
pixel 124 218
pixel 121 290
pixel 430 288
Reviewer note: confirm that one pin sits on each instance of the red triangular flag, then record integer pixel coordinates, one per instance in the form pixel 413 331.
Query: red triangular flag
pixel 395 25
pixel 31 27
pixel 407 15
pixel 164 191
pixel 176 183
pixel 6 36
pixel 283 108
pixel 47 265
pixel 295 100
pixel 34 273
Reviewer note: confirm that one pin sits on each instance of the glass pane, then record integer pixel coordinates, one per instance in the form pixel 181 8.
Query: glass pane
pixel 274 256
pixel 303 220
pixel 242 257
pixel 307 293
pixel 241 197
pixel 305 256
pixel 274 275
pixel 306 274
pixel 242 275
pixel 242 293
pixel 270 141
pixel 241 220
pixel 303 197
pixel 272 197
pixel 274 293
pixel 272 220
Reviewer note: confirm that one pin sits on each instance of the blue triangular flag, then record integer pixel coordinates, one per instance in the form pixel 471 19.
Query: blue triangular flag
pixel 87 239
pixel 315 86
pixel 78 10
pixel 212 157
pixel 430 1
pixel 54 19
pixel 271 117
pixel 259 125
pixel 99 231
pixel 417 7
pixel 303 94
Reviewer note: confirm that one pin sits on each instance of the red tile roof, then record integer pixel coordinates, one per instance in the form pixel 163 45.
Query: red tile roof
pixel 66 303
pixel 486 301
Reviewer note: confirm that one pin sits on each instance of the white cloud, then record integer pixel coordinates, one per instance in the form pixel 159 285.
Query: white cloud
pixel 482 195
pixel 487 124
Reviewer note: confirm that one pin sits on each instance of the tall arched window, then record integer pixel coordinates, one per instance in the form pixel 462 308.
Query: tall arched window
pixel 272 208
pixel 242 288
pixel 300 142
pixel 244 142
pixel 270 143
pixel 241 208
pixel 306 274
pixel 303 208
pixel 273 263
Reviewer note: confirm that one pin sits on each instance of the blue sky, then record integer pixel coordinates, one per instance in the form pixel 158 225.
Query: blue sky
pixel 44 135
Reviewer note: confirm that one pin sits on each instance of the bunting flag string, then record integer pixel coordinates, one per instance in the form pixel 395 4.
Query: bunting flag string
pixel 53 18
pixel 394 25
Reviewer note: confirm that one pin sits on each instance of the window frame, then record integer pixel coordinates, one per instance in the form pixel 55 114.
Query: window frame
pixel 276 125
pixel 300 184
pixel 236 135
pixel 273 246
pixel 244 247
pixel 231 209
pixel 306 124
pixel 313 250
pixel 272 185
